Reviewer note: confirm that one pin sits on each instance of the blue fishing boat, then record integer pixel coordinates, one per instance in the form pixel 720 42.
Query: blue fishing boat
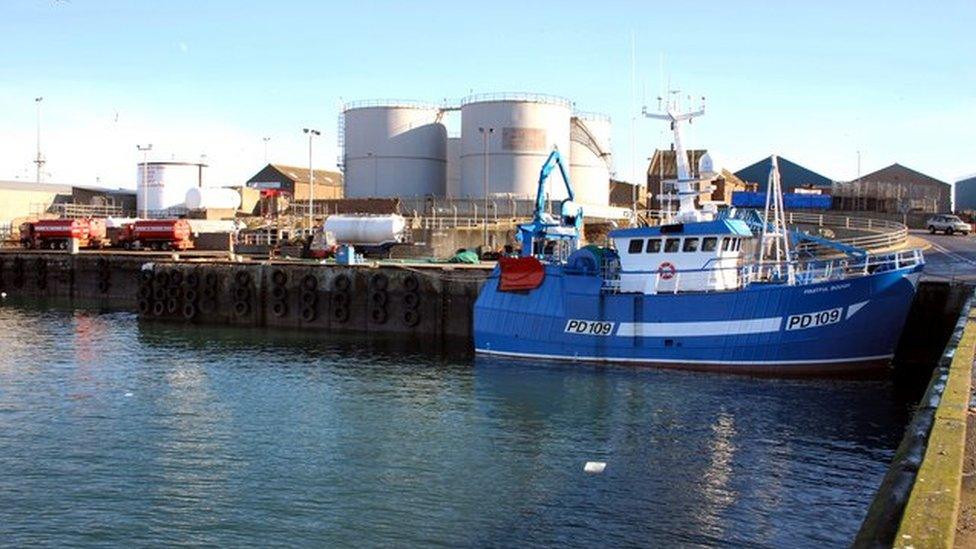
pixel 705 289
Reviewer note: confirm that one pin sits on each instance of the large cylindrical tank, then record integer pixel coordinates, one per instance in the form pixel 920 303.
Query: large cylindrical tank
pixel 212 198
pixel 163 185
pixel 524 130
pixel 394 150
pixel 366 229
pixel 590 160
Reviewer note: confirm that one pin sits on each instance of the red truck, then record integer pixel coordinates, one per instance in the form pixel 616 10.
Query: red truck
pixel 156 234
pixel 52 234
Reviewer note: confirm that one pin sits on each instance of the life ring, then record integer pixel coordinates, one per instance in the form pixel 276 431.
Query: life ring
pixel 667 270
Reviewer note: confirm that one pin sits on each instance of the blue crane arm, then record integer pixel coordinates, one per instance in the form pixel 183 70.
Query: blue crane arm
pixel 554 160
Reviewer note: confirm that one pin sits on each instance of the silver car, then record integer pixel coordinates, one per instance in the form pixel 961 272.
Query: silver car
pixel 948 224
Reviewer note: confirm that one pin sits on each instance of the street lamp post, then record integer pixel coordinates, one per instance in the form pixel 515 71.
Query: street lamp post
pixel 145 178
pixel 265 139
pixel 311 176
pixel 485 132
pixel 40 159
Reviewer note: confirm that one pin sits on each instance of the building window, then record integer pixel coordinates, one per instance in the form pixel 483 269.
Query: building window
pixel 691 245
pixel 671 245
pixel 709 243
pixel 654 245
pixel 636 246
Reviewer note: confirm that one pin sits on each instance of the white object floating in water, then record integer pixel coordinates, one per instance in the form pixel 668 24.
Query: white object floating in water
pixel 3 295
pixel 594 467
pixel 128 394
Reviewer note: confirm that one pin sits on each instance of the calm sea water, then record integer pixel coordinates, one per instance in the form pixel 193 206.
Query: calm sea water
pixel 119 432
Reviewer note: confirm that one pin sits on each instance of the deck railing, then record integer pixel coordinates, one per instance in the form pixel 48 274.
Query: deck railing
pixel 795 273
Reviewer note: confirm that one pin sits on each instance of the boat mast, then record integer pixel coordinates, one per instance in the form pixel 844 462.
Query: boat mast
pixel 774 242
pixel 687 213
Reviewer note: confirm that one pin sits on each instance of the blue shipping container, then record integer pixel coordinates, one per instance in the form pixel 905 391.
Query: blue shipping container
pixel 791 201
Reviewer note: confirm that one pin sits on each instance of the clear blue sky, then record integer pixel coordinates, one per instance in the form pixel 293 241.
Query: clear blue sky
pixel 812 81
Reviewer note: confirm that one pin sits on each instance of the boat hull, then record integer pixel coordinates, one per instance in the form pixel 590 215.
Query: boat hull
pixel 832 327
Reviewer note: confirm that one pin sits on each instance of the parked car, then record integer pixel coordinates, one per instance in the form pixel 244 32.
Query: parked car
pixel 949 224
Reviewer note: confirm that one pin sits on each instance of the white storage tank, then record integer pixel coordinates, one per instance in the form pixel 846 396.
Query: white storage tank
pixel 589 158
pixel 366 229
pixel 161 186
pixel 213 198
pixel 526 127
pixel 394 149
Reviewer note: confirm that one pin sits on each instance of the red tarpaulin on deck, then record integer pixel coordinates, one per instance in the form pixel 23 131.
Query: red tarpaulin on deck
pixel 520 273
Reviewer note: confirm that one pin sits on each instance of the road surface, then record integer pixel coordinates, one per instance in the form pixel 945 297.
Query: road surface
pixel 948 257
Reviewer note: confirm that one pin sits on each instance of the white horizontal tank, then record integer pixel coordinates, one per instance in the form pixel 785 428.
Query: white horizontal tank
pixel 394 149
pixel 525 128
pixel 366 229
pixel 590 158
pixel 161 186
pixel 212 198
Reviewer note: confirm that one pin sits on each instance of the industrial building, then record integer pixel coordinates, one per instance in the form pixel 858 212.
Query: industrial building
pixel 22 200
pixel 895 189
pixel 965 190
pixel 792 175
pixel 402 149
pixel 663 167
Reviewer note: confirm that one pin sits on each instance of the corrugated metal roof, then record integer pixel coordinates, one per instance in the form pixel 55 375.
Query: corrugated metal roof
pixel 300 175
pixel 33 186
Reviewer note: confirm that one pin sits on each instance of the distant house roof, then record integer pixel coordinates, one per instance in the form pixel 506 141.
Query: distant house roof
pixel 298 174
pixel 791 174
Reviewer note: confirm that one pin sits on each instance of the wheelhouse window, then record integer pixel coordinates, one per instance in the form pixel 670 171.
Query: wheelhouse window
pixel 636 246
pixel 671 245
pixel 726 244
pixel 691 245
pixel 654 245
pixel 709 243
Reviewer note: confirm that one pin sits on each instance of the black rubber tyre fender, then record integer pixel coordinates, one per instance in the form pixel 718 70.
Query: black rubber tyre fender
pixel 158 308
pixel 378 315
pixel 189 311
pixel 411 317
pixel 310 282
pixel 162 278
pixel 340 314
pixel 279 292
pixel 174 292
pixel 411 283
pixel 243 278
pixel 211 279
pixel 210 292
pixel 378 298
pixel 279 278
pixel 145 306
pixel 309 298
pixel 242 308
pixel 172 305
pixel 176 278
pixel 309 314
pixel 379 281
pixel 159 294
pixel 340 299
pixel 279 308
pixel 241 293
pixel 342 283
pixel 145 292
pixel 193 279
pixel 208 306
pixel 411 300
pixel 190 295
pixel 103 286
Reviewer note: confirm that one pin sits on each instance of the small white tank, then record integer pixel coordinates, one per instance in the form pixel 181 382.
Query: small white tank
pixel 212 198
pixel 366 229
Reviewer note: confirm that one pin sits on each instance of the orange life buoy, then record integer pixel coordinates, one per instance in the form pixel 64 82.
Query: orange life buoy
pixel 667 270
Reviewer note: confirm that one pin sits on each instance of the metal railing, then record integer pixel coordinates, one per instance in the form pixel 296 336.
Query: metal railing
pixel 885 234
pixel 706 279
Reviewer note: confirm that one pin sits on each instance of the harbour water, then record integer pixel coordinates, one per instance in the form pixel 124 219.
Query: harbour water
pixel 116 431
